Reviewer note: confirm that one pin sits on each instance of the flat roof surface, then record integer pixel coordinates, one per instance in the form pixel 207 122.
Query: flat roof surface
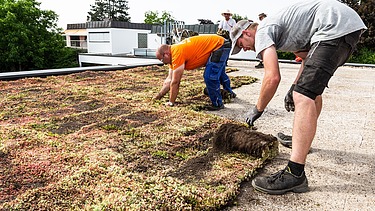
pixel 340 167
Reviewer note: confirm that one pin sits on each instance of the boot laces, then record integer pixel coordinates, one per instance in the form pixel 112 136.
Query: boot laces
pixel 276 176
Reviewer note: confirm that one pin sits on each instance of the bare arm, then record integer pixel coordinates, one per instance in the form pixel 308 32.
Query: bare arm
pixel 271 77
pixel 302 55
pixel 166 85
pixel 175 83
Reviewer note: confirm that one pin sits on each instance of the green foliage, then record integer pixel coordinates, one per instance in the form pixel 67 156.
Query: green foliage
pixel 152 17
pixel 238 17
pixel 155 18
pixel 110 127
pixel 161 154
pixel 366 46
pixel 29 37
pixel 363 56
pixel 99 11
pixel 286 55
pixel 365 9
pixel 68 58
pixel 182 155
pixel 116 10
pixel 89 141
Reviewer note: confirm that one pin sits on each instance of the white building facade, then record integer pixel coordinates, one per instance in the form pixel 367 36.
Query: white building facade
pixel 109 42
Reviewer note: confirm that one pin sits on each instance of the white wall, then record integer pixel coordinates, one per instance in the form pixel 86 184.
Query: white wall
pixel 103 47
pixel 125 40
pixel 68 44
pixel 121 41
pixel 154 41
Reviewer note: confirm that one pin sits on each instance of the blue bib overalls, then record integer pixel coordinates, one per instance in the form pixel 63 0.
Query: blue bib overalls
pixel 214 74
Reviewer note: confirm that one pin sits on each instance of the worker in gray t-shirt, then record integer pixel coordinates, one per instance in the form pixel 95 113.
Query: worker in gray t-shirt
pixel 300 25
pixel 324 34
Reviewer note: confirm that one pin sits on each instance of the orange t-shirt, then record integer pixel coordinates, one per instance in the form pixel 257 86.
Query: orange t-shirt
pixel 195 51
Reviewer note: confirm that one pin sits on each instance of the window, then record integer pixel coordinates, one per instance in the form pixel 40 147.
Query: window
pixel 74 41
pixel 142 40
pixel 99 36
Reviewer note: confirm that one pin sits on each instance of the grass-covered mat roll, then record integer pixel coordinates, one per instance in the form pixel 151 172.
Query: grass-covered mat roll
pixel 97 141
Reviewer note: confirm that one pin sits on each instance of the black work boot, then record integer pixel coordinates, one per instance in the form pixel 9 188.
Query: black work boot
pixel 233 95
pixel 281 182
pixel 214 108
pixel 260 65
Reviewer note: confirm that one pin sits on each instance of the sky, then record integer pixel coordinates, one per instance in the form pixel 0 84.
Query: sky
pixel 75 11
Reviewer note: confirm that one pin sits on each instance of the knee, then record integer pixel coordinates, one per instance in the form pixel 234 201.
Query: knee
pixel 301 99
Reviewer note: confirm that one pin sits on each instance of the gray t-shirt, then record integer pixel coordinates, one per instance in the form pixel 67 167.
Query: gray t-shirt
pixel 298 26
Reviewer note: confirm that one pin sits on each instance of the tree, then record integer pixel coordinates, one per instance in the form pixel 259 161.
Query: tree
pixel 99 11
pixel 29 36
pixel 365 9
pixel 116 10
pixel 120 10
pixel 237 17
pixel 153 17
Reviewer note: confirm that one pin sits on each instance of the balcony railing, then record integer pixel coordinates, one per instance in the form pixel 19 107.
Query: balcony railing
pixel 78 44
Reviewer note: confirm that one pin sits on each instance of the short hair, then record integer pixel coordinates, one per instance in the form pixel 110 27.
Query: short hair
pixel 253 25
pixel 164 48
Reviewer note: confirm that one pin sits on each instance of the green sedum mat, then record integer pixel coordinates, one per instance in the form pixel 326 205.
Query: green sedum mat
pixel 97 141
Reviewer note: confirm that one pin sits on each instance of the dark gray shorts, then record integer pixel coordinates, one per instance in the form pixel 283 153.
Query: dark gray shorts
pixel 322 61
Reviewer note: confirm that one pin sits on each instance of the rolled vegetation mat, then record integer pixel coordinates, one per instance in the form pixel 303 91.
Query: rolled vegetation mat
pixel 215 176
pixel 232 137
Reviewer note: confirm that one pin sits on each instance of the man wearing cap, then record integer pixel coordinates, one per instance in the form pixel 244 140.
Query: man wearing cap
pixel 228 21
pixel 324 34
pixel 211 51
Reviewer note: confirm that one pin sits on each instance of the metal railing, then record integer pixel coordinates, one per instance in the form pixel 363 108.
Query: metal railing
pixel 78 44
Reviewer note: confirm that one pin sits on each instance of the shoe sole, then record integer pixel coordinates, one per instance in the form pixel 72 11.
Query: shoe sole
pixel 285 143
pixel 302 188
pixel 214 109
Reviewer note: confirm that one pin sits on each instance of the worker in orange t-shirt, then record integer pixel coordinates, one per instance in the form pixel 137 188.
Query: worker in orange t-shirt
pixel 211 51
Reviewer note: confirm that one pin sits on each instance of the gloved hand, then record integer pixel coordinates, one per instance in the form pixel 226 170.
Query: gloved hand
pixel 254 115
pixel 288 100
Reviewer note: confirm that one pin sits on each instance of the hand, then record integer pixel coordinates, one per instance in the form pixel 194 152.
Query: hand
pixel 288 100
pixel 254 115
pixel 170 104
pixel 158 96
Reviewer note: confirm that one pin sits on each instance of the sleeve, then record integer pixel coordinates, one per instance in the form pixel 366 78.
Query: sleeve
pixel 264 38
pixel 177 57
pixel 221 24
